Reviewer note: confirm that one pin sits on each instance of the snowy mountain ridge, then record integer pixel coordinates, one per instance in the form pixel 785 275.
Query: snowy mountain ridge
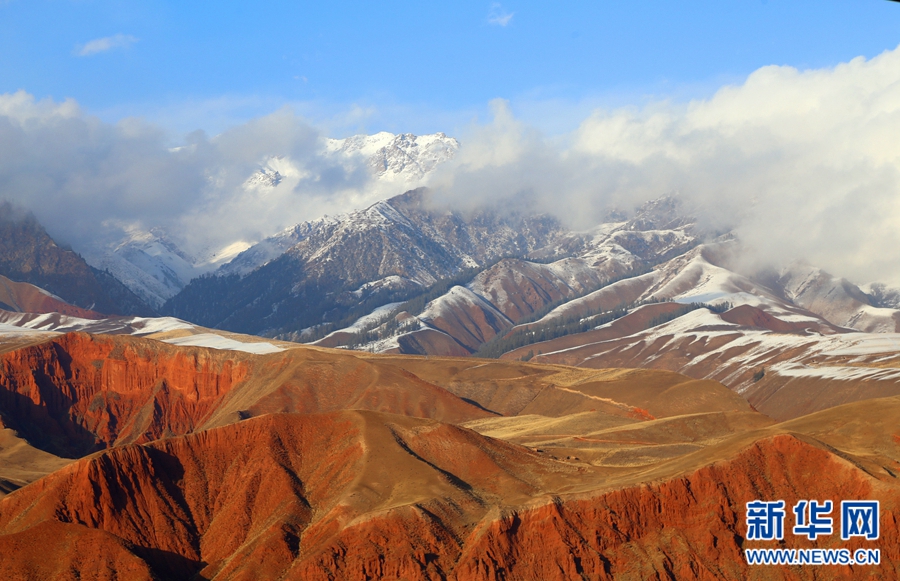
pixel 395 247
pixel 155 267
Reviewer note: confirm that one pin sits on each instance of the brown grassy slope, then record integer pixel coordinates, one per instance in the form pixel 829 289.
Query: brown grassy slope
pixel 72 394
pixel 22 463
pixel 514 388
pixel 597 439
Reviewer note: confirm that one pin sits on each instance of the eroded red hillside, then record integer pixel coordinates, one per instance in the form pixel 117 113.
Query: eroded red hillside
pixel 362 495
pixel 78 393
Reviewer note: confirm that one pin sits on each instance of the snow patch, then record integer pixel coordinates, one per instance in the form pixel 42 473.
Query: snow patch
pixel 458 297
pixel 148 326
pixel 377 316
pixel 218 342
pixel 835 372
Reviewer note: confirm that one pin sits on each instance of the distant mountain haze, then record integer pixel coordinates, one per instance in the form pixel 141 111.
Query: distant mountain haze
pixel 154 264
pixel 28 254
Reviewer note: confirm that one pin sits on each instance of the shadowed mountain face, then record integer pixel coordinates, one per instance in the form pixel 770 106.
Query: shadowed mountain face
pixel 21 297
pixel 28 254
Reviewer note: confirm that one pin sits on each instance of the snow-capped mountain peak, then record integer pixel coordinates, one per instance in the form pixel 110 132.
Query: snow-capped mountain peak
pixel 265 177
pixel 404 157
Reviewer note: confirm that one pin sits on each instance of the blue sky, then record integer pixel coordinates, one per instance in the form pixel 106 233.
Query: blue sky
pixel 413 66
pixel 777 119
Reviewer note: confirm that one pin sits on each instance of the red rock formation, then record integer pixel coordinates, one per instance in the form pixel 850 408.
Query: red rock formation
pixel 360 495
pixel 79 393
pixel 692 527
pixel 63 551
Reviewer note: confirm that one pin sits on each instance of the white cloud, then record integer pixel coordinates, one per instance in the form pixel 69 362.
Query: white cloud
pixel 498 16
pixel 99 45
pixel 802 164
pixel 87 180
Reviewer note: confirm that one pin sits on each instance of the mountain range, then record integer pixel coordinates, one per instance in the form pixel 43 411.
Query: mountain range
pixel 416 391
pixel 412 275
pixel 29 255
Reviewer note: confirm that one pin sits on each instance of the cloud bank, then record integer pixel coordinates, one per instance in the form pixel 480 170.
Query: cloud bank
pixel 88 181
pixel 801 164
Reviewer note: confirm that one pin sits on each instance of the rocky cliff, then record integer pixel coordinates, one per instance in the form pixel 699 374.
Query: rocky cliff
pixel 79 393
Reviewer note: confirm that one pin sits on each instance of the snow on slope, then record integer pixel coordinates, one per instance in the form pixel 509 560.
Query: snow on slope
pixel 465 316
pixel 58 323
pixel 378 315
pixel 219 342
pixel 153 266
pixel 881 295
pixel 17 326
pixel 607 298
pixel 412 246
pixel 271 248
pixel 397 158
pixel 690 278
pixel 366 322
pixel 515 288
pixel 458 298
pixel 518 288
pixel 706 345
pixel 836 299
pixel 405 159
